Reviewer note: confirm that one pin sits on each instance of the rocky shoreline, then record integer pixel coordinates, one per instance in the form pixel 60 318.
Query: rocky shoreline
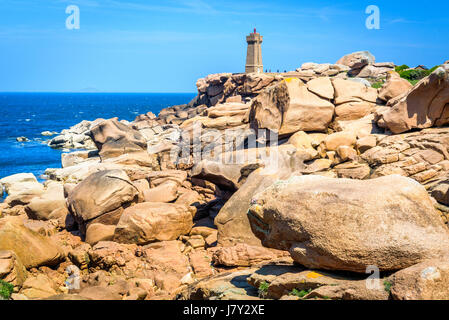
pixel 299 185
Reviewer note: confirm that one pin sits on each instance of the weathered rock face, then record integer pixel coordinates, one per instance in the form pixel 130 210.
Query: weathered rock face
pixel 77 157
pixel 289 107
pixel 232 220
pixel 11 268
pixel 153 221
pixel 213 90
pixel 165 192
pixel 102 197
pixel 114 138
pixel 357 61
pixel 243 255
pixel 21 188
pixel 218 88
pixel 302 141
pixel 226 176
pixel 394 86
pixel 33 249
pixel 168 264
pixel 424 106
pixel 352 91
pixel 310 70
pixel 376 71
pixel 336 224
pixel 322 87
pixel 428 280
pixel 51 205
pixel 97 232
pixel 421 156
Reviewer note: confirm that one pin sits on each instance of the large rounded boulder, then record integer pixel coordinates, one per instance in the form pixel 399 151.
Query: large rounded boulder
pixel 153 221
pixel 32 249
pixel 343 224
pixel 102 198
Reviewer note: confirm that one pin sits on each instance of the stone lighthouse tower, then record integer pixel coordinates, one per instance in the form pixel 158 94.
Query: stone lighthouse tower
pixel 254 54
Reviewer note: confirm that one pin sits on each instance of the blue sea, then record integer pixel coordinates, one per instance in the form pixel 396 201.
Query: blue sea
pixel 29 114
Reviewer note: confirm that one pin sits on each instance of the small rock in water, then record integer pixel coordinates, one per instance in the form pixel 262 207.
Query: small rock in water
pixel 22 139
pixel 48 133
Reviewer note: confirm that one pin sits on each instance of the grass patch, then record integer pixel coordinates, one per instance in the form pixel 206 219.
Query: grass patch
pixel 377 85
pixel 301 294
pixel 6 289
pixel 263 289
pixel 387 285
pixel 413 82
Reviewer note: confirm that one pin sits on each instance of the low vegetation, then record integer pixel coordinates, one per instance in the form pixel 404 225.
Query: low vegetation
pixel 300 293
pixel 263 289
pixel 413 75
pixel 387 285
pixel 377 85
pixel 6 289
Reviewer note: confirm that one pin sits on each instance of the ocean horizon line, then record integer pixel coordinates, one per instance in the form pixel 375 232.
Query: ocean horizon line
pixel 100 92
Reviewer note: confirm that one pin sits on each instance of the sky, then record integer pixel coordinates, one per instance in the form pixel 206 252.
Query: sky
pixel 166 45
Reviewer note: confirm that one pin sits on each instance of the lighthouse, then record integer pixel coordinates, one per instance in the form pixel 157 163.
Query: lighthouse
pixel 254 54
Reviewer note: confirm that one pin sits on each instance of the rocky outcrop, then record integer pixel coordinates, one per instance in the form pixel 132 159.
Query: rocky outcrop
pixel 310 70
pixel 357 61
pixel 76 137
pixel 424 106
pixel 288 107
pixel 336 225
pixel 21 188
pixel 158 209
pixel 421 156
pixel 394 87
pixel 114 138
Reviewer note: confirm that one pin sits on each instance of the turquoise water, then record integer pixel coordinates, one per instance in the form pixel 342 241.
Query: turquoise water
pixel 29 114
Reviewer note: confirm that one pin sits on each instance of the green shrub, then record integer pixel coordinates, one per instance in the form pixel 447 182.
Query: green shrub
pixel 377 85
pixel 387 285
pixel 263 289
pixel 6 289
pixel 414 74
pixel 433 69
pixel 401 68
pixel 300 294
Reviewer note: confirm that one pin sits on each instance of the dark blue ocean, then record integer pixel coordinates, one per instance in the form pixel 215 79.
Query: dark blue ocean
pixel 29 114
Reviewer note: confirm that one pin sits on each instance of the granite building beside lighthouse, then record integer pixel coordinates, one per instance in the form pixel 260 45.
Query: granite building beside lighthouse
pixel 254 54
